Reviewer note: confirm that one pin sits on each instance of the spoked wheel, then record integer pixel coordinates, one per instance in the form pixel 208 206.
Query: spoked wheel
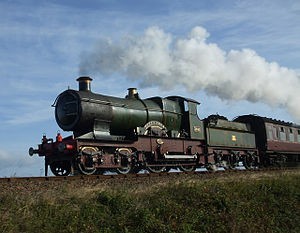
pixel 156 169
pixel 86 170
pixel 230 162
pixel 125 155
pixel 124 170
pixel 280 161
pixel 212 167
pixel 61 168
pixel 187 168
pixel 249 161
pixel 168 168
pixel 225 164
pixel 86 164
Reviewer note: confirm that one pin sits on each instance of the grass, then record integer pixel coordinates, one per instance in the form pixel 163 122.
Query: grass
pixel 182 204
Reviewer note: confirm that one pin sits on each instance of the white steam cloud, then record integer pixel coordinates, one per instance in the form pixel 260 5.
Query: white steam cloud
pixel 157 59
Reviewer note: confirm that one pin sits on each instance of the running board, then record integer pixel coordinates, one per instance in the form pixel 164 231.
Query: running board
pixel 193 157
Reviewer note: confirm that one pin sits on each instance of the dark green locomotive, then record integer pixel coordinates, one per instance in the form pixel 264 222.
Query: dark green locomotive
pixel 129 134
pixel 91 115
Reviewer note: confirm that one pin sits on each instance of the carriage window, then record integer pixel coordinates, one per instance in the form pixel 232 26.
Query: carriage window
pixel 298 135
pixel 291 136
pixel 270 132
pixel 282 134
pixel 275 132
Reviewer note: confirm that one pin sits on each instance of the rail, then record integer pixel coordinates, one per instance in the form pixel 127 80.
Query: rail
pixel 139 175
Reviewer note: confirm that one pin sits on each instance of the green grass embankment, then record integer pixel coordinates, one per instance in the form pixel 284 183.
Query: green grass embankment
pixel 181 204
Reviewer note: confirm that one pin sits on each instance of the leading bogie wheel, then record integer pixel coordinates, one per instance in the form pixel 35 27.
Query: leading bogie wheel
pixel 61 168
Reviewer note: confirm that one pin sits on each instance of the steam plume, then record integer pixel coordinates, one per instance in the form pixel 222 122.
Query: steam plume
pixel 157 59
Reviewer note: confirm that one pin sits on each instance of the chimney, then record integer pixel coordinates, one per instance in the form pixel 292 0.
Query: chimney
pixel 132 93
pixel 84 83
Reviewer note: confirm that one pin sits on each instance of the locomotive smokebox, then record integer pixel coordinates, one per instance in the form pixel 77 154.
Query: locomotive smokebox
pixel 84 83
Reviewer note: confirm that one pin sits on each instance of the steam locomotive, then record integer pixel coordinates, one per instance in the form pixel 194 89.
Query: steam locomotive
pixel 128 134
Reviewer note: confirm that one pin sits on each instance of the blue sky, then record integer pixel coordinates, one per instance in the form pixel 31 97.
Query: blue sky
pixel 44 43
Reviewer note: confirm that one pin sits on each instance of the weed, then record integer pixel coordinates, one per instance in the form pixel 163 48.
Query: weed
pixel 268 204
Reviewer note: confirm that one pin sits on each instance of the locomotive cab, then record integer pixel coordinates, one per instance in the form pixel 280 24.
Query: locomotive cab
pixel 191 124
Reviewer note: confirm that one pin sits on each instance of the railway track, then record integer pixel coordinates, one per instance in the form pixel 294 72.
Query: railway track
pixel 173 174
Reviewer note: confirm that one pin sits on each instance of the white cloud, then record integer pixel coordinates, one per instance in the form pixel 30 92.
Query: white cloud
pixel 42 42
pixel 156 58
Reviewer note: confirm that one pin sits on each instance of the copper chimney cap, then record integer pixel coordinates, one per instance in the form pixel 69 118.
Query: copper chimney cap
pixel 84 83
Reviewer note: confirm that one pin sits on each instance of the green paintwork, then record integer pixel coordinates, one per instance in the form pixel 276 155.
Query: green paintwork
pixel 83 112
pixel 229 134
pixel 196 125
pixel 132 113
